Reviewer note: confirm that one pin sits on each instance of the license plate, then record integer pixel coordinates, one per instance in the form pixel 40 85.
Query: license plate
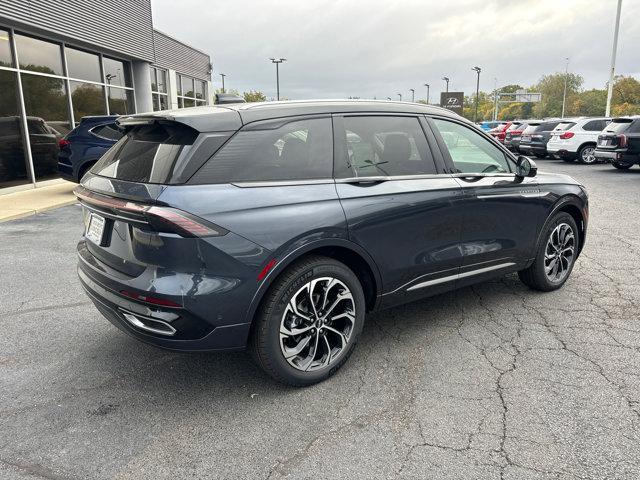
pixel 95 230
pixel 525 139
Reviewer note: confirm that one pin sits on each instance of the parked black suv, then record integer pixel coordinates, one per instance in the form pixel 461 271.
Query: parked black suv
pixel 278 225
pixel 535 137
pixel 619 143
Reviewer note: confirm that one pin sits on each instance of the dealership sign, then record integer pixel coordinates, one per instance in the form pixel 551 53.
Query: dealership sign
pixel 452 101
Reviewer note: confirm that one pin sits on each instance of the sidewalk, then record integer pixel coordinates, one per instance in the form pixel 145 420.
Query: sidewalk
pixel 28 202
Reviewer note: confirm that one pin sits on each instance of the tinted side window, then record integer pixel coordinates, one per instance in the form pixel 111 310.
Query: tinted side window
pixel 384 146
pixel 299 150
pixel 470 151
pixel 635 127
pixel 594 126
pixel 110 132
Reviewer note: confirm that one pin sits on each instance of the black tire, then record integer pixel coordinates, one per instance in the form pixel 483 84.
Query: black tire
pixel 540 155
pixel 265 343
pixel 622 166
pixel 568 159
pixel 584 158
pixel 535 276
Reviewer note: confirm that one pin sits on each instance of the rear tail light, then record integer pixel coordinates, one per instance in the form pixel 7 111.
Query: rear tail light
pixel 63 142
pixel 566 135
pixel 622 141
pixel 163 219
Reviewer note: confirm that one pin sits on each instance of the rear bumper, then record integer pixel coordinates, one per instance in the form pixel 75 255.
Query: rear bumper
pixel 531 148
pixel 616 156
pixel 561 152
pixel 191 331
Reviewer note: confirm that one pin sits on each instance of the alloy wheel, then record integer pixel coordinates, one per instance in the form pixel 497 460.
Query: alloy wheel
pixel 559 253
pixel 317 324
pixel 587 155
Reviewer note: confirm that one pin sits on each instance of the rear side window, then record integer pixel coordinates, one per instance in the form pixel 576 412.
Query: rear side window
pixel 147 154
pixel 384 146
pixel 635 127
pixel 108 132
pixel 594 125
pixel 564 126
pixel 271 151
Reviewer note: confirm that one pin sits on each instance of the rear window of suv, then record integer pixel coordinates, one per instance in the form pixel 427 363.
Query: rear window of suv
pixel 619 125
pixel 147 153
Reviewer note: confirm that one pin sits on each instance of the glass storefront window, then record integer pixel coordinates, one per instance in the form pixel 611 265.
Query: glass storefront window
pixel 187 86
pixel 116 72
pixel 83 65
pixel 46 105
pixel 13 160
pixel 159 102
pixel 200 89
pixel 87 99
pixel 158 80
pixel 38 55
pixel 120 101
pixel 5 49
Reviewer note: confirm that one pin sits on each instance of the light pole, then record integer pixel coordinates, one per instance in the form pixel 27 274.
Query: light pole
pixel 495 99
pixel 399 95
pixel 564 94
pixel 427 85
pixel 388 98
pixel 278 61
pixel 446 79
pixel 477 70
pixel 223 75
pixel 413 94
pixel 613 60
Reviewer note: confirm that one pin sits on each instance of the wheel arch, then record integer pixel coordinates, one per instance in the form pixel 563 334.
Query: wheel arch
pixel 572 205
pixel 345 251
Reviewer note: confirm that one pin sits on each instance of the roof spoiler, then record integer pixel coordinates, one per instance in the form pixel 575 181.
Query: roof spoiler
pixel 131 120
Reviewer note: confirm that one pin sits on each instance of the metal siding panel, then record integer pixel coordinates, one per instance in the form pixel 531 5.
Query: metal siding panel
pixel 171 53
pixel 101 23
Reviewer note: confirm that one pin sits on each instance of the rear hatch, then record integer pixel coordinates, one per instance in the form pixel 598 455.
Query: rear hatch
pixel 119 197
pixel 612 136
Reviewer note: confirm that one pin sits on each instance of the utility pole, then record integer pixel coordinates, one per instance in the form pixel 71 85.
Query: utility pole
pixel 446 79
pixel 413 94
pixel 477 70
pixel 223 75
pixel 495 99
pixel 278 61
pixel 427 85
pixel 399 95
pixel 612 71
pixel 564 95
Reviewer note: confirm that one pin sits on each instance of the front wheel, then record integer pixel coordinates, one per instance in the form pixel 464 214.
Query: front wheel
pixel 309 322
pixel 621 166
pixel 556 255
pixel 586 155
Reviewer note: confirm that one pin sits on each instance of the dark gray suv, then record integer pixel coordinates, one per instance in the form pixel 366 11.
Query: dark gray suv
pixel 277 226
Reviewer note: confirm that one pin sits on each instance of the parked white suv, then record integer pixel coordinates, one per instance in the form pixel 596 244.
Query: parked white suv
pixel 576 139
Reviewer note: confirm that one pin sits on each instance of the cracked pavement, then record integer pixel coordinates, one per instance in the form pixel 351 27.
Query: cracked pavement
pixel 494 381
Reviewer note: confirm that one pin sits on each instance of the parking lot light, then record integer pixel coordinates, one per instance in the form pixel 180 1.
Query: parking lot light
pixel 564 95
pixel 278 61
pixel 477 70
pixel 223 75
pixel 427 85
pixel 413 94
pixel 613 60
pixel 399 96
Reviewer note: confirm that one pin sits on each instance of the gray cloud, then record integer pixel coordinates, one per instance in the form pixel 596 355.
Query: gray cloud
pixel 376 48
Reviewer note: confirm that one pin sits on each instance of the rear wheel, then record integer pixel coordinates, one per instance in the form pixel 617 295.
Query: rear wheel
pixel 309 322
pixel 568 159
pixel 556 254
pixel 586 154
pixel 621 166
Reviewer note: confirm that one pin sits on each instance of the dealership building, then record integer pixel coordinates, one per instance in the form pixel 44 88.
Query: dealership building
pixel 61 60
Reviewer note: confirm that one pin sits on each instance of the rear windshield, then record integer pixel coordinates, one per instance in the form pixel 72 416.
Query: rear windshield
pixel 618 125
pixel 513 126
pixel 147 153
pixel 564 126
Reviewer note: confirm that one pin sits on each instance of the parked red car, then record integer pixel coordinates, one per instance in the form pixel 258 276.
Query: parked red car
pixel 500 131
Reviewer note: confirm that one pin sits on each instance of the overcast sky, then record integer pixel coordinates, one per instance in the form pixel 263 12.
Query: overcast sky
pixel 377 48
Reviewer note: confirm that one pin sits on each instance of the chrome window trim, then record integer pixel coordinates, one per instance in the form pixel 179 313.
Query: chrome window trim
pixel 283 183
pixel 385 178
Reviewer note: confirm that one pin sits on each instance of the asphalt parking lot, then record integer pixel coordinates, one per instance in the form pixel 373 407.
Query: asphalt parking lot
pixel 490 382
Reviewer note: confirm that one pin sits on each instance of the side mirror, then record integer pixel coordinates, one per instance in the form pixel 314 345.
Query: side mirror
pixel 525 167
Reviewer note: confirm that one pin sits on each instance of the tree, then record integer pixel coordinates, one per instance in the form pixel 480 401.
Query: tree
pixel 626 96
pixel 552 88
pixel 254 96
pixel 590 103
